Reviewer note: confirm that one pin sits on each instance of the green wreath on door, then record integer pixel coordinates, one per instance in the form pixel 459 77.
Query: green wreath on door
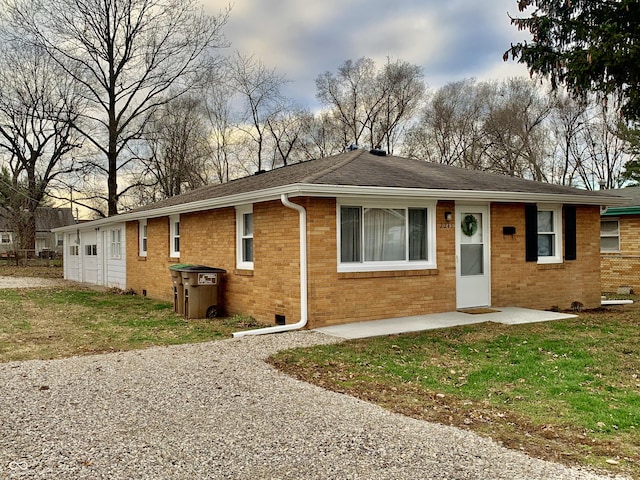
pixel 469 225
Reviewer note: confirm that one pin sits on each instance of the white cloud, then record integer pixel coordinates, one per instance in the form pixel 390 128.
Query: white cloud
pixel 451 40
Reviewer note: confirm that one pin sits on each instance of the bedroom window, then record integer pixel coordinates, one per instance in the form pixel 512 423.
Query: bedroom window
pixel 174 233
pixel 610 236
pixel 142 235
pixel 549 234
pixel 385 237
pixel 244 234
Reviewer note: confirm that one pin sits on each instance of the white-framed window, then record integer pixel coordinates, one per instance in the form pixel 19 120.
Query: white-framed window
pixel 244 237
pixel 610 235
pixel 549 234
pixel 73 250
pixel 5 238
pixel 385 236
pixel 174 236
pixel 142 235
pixel 91 250
pixel 59 239
pixel 116 243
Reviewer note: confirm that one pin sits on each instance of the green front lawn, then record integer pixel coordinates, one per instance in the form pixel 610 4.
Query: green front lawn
pixel 566 391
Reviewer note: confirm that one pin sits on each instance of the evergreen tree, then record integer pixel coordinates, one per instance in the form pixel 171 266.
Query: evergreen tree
pixel 586 45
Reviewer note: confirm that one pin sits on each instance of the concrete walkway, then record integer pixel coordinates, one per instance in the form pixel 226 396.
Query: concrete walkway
pixel 392 326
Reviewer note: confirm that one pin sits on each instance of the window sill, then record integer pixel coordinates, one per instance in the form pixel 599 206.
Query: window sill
pixel 174 260
pixel 243 273
pixel 551 266
pixel 385 267
pixel 388 274
pixel 549 261
pixel 142 259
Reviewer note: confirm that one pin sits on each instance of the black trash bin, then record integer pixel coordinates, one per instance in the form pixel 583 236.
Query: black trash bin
pixel 202 297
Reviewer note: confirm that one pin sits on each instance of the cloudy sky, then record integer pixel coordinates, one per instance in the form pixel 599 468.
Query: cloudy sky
pixel 450 39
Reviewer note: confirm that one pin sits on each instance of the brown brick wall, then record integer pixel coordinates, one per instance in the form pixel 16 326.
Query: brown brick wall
pixel 336 298
pixel 272 288
pixel 515 282
pixel 150 273
pixel 622 268
pixel 209 238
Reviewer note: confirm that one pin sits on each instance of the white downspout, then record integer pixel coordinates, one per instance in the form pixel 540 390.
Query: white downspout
pixel 303 277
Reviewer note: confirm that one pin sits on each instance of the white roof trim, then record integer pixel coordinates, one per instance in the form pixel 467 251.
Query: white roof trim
pixel 316 190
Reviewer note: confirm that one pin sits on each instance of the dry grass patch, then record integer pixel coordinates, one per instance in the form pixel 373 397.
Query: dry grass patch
pixel 61 322
pixel 45 270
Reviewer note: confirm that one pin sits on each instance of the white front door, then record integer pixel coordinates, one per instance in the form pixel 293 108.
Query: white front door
pixel 473 279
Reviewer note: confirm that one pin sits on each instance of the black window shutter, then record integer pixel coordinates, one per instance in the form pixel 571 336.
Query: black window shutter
pixel 531 232
pixel 570 243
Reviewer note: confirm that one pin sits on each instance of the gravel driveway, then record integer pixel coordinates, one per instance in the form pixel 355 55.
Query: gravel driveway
pixel 217 411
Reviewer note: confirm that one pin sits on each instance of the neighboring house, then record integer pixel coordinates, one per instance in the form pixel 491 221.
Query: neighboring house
pixel 620 243
pixel 359 236
pixel 48 244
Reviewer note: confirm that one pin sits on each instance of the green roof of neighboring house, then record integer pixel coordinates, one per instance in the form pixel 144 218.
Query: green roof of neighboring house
pixel 632 207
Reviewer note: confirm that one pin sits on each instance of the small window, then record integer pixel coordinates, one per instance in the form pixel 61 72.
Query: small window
pixel 549 234
pixel 244 244
pixel 91 250
pixel 142 229
pixel 5 238
pixel 174 233
pixel 73 250
pixel 386 238
pixel 59 240
pixel 610 236
pixel 116 243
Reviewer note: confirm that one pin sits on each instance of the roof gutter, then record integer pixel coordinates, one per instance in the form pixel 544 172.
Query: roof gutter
pixel 303 277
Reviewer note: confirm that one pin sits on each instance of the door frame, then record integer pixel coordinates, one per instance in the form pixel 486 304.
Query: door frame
pixel 485 210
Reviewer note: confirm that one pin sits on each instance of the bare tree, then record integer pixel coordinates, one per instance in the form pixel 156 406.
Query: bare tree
pixel 177 148
pixel 219 112
pixel 401 91
pixel 286 126
pixel 345 94
pixel 515 128
pixel 567 121
pixel 127 54
pixel 38 108
pixel 605 147
pixel 449 128
pixel 370 105
pixel 257 89
pixel 321 136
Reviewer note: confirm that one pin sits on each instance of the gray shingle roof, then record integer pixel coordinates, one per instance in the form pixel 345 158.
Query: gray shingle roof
pixel 46 218
pixel 631 194
pixel 361 168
